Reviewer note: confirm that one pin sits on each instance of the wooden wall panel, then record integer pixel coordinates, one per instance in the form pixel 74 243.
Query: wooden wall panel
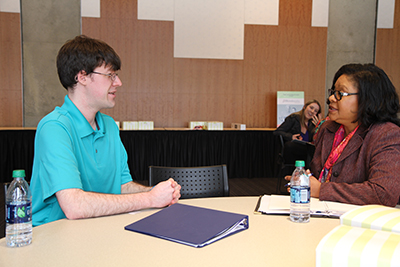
pixel 388 49
pixel 295 13
pixel 10 69
pixel 212 90
pixel 117 27
pixel 173 91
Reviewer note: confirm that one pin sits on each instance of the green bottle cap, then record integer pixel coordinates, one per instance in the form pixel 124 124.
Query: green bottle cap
pixel 18 173
pixel 300 163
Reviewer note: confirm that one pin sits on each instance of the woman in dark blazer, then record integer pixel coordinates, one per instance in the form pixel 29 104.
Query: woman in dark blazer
pixel 299 126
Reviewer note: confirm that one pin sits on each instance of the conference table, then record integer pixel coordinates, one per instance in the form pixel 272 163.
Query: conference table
pixel 271 240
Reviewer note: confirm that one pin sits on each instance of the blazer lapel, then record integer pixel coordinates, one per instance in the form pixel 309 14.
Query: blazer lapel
pixel 354 144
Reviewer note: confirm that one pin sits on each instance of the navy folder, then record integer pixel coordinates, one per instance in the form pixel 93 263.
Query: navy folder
pixel 190 225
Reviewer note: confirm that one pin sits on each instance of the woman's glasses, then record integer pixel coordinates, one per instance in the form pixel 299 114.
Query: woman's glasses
pixel 338 95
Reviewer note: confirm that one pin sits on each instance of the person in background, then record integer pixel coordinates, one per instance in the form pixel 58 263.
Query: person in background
pixel 80 165
pixel 299 126
pixel 357 156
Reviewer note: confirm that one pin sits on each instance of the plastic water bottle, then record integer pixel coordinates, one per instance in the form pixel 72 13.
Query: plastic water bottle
pixel 300 194
pixel 18 211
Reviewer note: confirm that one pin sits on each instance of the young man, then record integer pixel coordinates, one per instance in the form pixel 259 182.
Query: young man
pixel 80 164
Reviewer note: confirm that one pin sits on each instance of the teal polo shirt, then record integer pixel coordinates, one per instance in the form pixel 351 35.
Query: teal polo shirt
pixel 70 154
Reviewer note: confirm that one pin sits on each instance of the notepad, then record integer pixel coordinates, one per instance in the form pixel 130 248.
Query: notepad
pixel 190 225
pixel 280 204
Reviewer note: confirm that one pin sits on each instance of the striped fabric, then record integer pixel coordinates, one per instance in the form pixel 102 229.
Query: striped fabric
pixel 373 217
pixel 369 236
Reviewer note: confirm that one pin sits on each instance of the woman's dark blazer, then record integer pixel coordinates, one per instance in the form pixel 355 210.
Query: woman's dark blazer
pixel 292 126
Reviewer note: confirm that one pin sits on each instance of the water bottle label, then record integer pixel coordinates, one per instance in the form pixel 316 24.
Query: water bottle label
pixel 300 195
pixel 18 213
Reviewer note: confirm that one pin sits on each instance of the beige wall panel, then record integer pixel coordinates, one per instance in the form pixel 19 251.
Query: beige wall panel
pixel 10 69
pixel 388 49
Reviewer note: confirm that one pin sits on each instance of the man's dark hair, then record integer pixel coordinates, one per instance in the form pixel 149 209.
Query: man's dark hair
pixel 378 100
pixel 84 54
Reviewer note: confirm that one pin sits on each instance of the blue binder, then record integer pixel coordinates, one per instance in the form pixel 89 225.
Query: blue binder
pixel 190 225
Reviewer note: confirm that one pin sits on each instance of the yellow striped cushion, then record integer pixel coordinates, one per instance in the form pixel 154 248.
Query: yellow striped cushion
pixel 355 246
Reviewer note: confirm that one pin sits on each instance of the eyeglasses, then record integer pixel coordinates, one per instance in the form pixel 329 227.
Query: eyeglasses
pixel 113 76
pixel 338 95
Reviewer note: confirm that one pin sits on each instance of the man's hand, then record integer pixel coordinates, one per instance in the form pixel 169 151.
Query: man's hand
pixel 165 193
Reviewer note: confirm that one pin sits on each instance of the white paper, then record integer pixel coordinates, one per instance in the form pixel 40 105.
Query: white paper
pixel 280 204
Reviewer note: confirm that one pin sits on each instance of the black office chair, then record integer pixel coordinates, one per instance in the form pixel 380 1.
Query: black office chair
pixel 5 185
pixel 3 212
pixel 196 182
pixel 285 169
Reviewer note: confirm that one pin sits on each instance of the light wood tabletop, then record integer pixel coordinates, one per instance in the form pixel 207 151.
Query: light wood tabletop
pixel 269 241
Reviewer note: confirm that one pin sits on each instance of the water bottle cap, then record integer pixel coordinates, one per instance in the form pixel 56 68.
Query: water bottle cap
pixel 18 173
pixel 300 163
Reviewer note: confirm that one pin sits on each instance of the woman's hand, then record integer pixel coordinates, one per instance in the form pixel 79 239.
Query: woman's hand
pixel 287 178
pixel 316 119
pixel 315 187
pixel 297 136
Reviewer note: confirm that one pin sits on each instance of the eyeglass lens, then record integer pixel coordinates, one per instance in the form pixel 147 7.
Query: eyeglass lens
pixel 337 94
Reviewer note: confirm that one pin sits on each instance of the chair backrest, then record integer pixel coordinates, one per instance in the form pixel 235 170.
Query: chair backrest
pixel 5 185
pixel 282 145
pixel 196 182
